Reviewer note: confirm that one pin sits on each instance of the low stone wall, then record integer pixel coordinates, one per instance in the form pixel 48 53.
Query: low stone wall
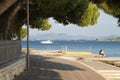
pixel 13 69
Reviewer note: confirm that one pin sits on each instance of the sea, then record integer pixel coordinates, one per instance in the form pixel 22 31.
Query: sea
pixel 111 48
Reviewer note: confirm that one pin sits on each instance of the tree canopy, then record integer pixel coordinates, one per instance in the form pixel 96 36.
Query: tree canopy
pixel 111 7
pixel 79 12
pixel 90 16
pixel 23 33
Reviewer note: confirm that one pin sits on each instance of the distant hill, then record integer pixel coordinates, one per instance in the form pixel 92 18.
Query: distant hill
pixel 64 36
pixel 59 36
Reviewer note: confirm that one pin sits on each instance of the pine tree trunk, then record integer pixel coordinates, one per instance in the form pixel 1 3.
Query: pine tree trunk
pixel 7 33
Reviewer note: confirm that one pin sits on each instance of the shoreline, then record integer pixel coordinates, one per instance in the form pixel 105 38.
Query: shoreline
pixel 75 55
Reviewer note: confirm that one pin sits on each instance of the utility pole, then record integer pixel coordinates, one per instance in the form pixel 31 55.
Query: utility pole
pixel 27 56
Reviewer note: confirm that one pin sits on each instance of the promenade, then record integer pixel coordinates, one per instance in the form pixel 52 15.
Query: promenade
pixel 51 68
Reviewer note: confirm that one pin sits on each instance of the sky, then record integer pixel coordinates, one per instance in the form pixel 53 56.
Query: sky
pixel 105 27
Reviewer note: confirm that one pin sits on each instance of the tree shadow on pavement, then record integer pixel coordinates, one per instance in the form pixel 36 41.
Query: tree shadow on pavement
pixel 45 68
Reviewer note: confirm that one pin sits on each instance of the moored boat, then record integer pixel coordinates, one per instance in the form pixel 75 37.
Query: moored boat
pixel 46 42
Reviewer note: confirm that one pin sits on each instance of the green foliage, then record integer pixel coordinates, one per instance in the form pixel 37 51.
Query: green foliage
pixel 79 12
pixel 23 32
pixel 90 16
pixel 42 24
pixel 111 7
pixel 64 11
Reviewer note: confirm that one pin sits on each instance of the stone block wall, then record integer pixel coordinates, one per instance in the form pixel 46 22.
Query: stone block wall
pixel 9 72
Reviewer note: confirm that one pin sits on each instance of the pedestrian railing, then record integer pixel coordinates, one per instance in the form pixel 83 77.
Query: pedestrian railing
pixel 9 50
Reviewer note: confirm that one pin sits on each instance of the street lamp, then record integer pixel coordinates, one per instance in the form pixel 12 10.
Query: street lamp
pixel 27 56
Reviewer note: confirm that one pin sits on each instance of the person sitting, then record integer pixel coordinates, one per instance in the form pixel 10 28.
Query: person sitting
pixel 102 53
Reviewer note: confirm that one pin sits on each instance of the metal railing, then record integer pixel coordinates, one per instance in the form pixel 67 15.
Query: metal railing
pixel 9 50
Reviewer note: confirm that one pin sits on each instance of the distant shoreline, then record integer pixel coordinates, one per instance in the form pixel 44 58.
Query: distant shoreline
pixel 109 39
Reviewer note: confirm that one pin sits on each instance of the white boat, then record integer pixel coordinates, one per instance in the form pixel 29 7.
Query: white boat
pixel 46 42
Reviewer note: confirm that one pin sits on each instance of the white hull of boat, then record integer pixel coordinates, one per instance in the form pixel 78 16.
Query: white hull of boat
pixel 46 42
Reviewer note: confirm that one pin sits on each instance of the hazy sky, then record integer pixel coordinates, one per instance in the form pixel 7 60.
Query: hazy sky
pixel 106 26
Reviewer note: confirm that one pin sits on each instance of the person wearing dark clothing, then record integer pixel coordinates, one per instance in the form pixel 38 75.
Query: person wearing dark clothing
pixel 102 53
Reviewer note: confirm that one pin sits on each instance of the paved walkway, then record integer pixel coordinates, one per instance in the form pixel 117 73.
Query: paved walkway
pixel 49 68
pixel 110 72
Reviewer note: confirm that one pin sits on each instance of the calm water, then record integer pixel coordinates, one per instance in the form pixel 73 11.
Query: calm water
pixel 111 48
